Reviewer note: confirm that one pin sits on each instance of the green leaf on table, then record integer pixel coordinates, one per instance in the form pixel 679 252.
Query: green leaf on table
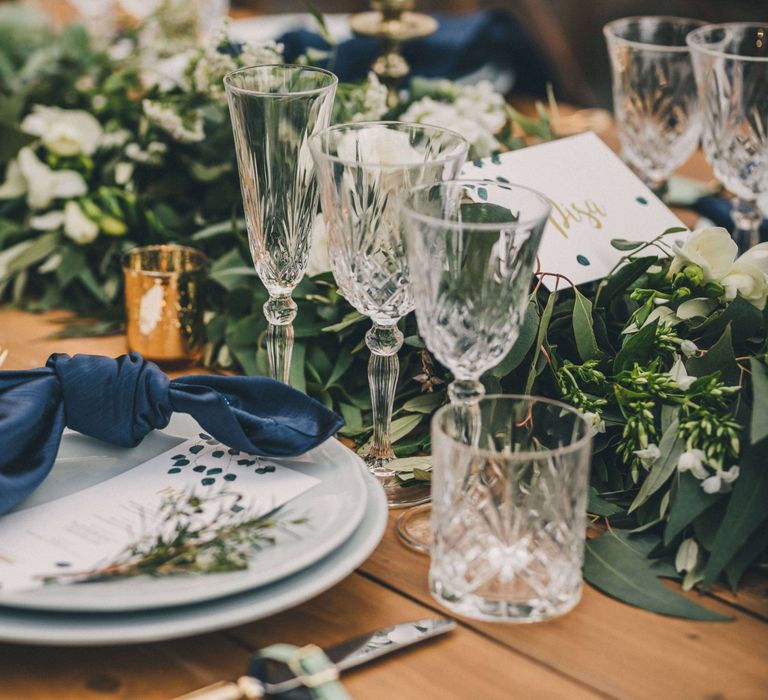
pixel 671 447
pixel 689 501
pixel 541 336
pixel 758 428
pixel 621 572
pixel 522 345
pixel 719 358
pixel 638 348
pixel 599 506
pixel 745 511
pixel 583 330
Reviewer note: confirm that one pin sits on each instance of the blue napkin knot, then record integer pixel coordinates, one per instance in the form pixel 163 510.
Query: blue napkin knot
pixel 121 400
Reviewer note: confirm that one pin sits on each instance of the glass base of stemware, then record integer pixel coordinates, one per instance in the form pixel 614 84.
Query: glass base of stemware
pixel 414 528
pixel 398 496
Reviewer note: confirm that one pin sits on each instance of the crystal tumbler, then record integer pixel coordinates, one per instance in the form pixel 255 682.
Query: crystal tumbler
pixel 509 511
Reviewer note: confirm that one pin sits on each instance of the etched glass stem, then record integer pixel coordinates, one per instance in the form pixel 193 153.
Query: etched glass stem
pixel 280 312
pixel 746 216
pixel 383 370
pixel 465 395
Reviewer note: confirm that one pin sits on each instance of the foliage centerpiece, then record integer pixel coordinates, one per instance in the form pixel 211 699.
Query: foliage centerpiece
pixel 106 149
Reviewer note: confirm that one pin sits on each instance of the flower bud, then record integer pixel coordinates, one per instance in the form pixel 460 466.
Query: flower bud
pixel 714 290
pixel 112 226
pixel 695 274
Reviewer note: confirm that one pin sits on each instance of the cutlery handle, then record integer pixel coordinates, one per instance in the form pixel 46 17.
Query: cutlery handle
pixel 247 688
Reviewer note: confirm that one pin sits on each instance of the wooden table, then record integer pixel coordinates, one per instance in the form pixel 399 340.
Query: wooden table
pixel 602 649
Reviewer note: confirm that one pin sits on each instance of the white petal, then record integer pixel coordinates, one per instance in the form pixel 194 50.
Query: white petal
pixel 689 348
pixel 77 225
pixel 731 474
pixel 47 222
pixel 15 185
pixel 712 484
pixel 687 555
pixel 694 308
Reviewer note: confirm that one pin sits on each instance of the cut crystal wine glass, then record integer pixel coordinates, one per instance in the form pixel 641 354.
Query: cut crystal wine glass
pixel 654 93
pixel 731 64
pixel 363 168
pixel 275 109
pixel 474 244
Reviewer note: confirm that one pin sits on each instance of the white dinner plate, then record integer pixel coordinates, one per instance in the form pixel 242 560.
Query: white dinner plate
pixel 87 629
pixel 334 508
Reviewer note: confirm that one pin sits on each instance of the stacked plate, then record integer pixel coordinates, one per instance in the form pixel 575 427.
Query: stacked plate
pixel 347 508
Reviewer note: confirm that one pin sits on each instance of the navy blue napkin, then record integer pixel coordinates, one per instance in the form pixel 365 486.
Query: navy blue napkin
pixel 462 45
pixel 718 210
pixel 121 400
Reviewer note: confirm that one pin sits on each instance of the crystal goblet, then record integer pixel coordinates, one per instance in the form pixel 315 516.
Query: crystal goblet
pixel 731 64
pixel 474 244
pixel 654 93
pixel 275 109
pixel 363 168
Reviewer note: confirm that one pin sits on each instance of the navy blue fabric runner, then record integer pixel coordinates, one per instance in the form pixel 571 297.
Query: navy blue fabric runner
pixel 121 400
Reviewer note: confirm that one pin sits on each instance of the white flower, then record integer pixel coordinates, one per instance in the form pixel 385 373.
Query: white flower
pixel 446 115
pixel 123 172
pixel 15 185
pixel 680 376
pixel 50 221
pixel 77 225
pixel 693 308
pixel 748 277
pixel 115 139
pixel 688 348
pixel 378 145
pixel 721 481
pixel 262 53
pixel 374 101
pixel 595 420
pixel 649 455
pixel 169 120
pixel 44 185
pixel 711 248
pixel 319 261
pixel 167 73
pixel 153 155
pixel 687 555
pixel 65 132
pixel 693 461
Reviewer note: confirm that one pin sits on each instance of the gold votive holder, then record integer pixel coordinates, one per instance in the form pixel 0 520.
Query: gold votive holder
pixel 163 302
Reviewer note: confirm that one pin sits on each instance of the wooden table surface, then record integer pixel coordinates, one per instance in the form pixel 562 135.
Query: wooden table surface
pixel 601 649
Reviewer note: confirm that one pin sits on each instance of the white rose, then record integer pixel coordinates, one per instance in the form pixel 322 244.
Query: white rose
pixel 319 261
pixel 378 145
pixel 748 277
pixel 711 248
pixel 77 225
pixel 44 185
pixel 65 132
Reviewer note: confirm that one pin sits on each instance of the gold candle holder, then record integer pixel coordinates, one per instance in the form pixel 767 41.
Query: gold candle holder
pixel 392 23
pixel 164 311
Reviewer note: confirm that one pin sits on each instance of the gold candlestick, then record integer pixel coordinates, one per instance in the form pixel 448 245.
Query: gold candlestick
pixel 392 23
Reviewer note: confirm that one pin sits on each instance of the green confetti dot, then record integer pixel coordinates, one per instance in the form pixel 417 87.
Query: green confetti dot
pixel 199 468
pixel 261 470
pixel 478 163
pixel 246 462
pixel 230 477
pixel 175 470
pixel 181 462
pixel 195 449
pixel 208 481
pixel 482 193
pixel 495 159
pixel 178 456
pixel 203 436
pixel 233 451
pixel 218 454
pixel 215 470
pixel 269 468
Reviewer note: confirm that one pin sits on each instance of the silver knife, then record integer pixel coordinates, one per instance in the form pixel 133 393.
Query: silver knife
pixel 346 655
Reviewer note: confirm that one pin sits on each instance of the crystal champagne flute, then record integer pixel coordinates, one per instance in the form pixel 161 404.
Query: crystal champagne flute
pixel 275 109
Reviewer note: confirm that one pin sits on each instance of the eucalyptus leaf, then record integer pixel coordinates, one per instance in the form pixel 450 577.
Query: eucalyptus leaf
pixel 758 428
pixel 523 344
pixel 583 328
pixel 541 336
pixel 671 447
pixel 719 358
pixel 688 502
pixel 622 573
pixel 638 348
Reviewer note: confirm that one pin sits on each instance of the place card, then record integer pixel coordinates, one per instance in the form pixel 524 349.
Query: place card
pixel 88 529
pixel 595 197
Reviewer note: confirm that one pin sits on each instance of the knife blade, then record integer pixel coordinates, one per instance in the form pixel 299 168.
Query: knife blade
pixel 345 655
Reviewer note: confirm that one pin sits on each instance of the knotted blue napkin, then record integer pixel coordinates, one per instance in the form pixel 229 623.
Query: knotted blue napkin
pixel 121 400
